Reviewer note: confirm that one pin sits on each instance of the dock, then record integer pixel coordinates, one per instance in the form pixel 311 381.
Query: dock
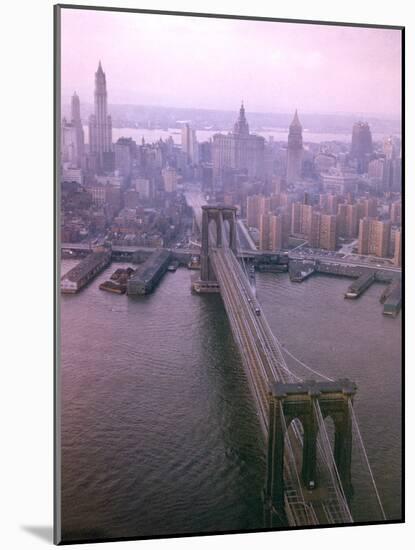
pixel 300 270
pixel 393 301
pixel 118 281
pixel 73 281
pixel 149 273
pixel 359 286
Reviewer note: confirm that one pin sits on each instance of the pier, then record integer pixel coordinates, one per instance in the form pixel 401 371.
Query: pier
pixel 360 285
pixel 149 273
pixel 85 271
pixel 393 299
pixel 300 271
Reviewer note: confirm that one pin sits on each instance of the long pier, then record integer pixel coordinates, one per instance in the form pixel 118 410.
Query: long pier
pixel 85 271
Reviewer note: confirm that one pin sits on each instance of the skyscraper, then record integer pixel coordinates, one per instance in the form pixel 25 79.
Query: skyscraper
pixel 362 146
pixel 238 151
pixel 78 129
pixel 72 137
pixel 294 150
pixel 190 145
pixel 100 126
pixel 125 151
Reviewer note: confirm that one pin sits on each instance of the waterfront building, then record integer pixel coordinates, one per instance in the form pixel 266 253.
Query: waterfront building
pixel 306 219
pixel 264 232
pixel 313 235
pixel 328 232
pixel 397 258
pixel 239 151
pixel 294 150
pixel 100 125
pixel 253 210
pixel 374 237
pixel 273 235
pixel 352 221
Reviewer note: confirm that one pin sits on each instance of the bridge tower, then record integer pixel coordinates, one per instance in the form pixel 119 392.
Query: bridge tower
pixel 220 214
pixel 296 401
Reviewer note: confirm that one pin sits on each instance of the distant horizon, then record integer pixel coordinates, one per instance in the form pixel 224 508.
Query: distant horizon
pixel 275 67
pixel 66 101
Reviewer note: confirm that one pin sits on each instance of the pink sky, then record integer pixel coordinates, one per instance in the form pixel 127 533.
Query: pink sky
pixel 214 63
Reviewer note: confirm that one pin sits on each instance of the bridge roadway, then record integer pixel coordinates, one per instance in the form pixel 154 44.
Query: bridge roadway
pixel 263 362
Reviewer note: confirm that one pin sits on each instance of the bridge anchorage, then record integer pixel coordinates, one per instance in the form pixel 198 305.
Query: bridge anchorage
pixel 308 402
pixel 214 237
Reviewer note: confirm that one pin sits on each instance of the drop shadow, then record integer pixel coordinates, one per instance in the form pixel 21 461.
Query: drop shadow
pixel 44 532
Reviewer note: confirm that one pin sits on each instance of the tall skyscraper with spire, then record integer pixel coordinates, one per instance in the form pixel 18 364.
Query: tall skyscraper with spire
pixel 100 125
pixel 294 150
pixel 241 127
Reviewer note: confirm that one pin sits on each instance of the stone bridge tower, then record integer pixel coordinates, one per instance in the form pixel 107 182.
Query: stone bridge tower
pixel 219 214
pixel 296 401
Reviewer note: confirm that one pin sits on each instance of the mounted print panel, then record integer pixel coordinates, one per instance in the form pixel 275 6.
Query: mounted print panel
pixel 229 232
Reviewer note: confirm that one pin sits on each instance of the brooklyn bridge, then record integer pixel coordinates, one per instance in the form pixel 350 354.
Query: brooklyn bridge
pixel 308 479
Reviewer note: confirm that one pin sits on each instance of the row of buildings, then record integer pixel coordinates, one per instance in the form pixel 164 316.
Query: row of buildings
pixel 279 217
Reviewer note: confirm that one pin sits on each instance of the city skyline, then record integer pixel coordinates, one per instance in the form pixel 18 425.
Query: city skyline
pixel 298 57
pixel 203 277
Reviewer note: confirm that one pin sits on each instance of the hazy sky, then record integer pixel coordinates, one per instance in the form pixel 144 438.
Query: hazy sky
pixel 214 63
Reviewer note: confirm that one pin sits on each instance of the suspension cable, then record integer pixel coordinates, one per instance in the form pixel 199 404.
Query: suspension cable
pixel 306 366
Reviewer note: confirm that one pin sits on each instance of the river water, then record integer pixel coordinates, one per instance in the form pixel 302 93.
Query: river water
pixel 159 432
pixel 278 134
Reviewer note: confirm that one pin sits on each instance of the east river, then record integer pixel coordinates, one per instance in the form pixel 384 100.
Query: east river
pixel 159 431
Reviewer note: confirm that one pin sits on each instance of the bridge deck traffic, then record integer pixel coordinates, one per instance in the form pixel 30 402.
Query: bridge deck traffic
pixel 263 363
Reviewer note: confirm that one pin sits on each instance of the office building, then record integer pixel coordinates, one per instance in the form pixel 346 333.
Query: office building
pixel 294 150
pixel 190 145
pixel 100 125
pixel 362 147
pixel 238 151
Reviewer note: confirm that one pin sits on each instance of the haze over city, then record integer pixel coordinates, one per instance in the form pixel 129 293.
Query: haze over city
pixel 230 230
pixel 214 63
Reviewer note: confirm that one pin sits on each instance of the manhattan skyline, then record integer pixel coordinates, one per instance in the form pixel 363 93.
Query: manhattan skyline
pixel 190 62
